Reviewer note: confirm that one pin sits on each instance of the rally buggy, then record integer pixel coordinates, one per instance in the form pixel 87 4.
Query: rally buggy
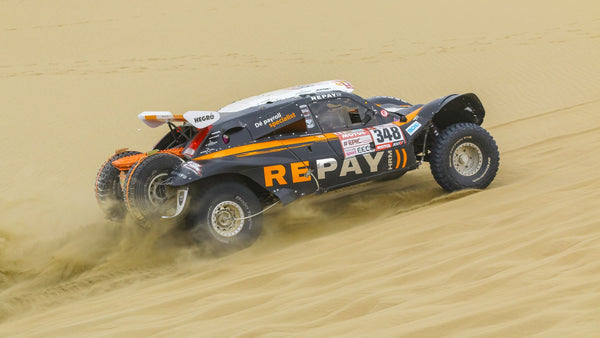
pixel 217 171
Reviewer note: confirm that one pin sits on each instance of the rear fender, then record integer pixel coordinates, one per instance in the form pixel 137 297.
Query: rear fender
pixel 192 173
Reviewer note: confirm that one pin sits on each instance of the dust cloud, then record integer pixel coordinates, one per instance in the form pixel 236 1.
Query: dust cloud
pixel 394 258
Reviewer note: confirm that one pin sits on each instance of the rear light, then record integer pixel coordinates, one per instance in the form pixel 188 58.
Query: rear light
pixel 197 141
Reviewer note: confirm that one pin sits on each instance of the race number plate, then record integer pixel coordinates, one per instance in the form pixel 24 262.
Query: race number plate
pixel 386 136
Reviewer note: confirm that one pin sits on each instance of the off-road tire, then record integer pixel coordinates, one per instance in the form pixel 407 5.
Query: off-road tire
pixel 146 199
pixel 464 156
pixel 108 188
pixel 213 224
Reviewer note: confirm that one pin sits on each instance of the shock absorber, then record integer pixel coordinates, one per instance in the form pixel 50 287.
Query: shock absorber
pixel 434 130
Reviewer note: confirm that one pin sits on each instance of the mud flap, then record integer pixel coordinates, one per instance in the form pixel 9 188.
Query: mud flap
pixel 182 195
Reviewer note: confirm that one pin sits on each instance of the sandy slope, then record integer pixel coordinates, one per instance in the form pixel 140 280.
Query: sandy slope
pixel 404 258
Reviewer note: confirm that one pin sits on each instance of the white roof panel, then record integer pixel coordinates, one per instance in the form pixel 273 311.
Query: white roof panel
pixel 287 93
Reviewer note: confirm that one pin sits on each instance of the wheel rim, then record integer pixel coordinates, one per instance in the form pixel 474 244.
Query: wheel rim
pixel 157 192
pixel 467 159
pixel 162 197
pixel 225 219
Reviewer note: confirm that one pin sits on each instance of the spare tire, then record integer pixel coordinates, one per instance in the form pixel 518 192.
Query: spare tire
pixel 108 188
pixel 146 198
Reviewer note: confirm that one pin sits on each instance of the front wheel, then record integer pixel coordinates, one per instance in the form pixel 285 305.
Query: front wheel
pixel 227 216
pixel 464 156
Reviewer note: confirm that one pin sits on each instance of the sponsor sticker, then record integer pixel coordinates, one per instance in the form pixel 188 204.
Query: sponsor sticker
pixel 201 119
pixel 325 96
pixel 384 113
pixel 344 83
pixel 194 167
pixel 413 128
pixel 310 123
pixel 274 120
pixel 355 142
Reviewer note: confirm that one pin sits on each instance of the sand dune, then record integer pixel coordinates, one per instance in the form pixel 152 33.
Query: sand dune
pixel 400 258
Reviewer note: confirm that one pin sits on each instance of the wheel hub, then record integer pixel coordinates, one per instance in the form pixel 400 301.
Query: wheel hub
pixel 157 192
pixel 226 218
pixel 467 159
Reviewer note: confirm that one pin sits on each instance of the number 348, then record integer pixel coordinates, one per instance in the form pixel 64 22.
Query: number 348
pixel 388 134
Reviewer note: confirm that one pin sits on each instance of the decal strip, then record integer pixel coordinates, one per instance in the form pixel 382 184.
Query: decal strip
pixel 404 162
pixel 398 157
pixel 266 145
pixel 261 152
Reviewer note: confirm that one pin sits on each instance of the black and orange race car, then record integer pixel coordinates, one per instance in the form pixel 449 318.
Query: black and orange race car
pixel 217 171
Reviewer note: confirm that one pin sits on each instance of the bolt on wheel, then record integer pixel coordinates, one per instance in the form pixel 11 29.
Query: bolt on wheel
pixel 467 159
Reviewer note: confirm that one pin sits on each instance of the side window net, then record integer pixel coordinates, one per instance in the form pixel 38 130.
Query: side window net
pixel 338 114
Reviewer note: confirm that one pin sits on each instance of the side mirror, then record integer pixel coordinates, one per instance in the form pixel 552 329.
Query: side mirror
pixel 368 117
pixel 401 117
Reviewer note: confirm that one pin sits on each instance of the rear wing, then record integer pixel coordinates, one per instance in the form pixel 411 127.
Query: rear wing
pixel 199 119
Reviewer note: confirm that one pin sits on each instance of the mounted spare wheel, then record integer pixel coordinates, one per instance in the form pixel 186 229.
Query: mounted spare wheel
pixel 146 196
pixel 108 187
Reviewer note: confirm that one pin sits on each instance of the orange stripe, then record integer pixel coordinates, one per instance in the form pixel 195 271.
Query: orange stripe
pixel 404 162
pixel 398 157
pixel 129 181
pixel 409 117
pixel 253 153
pixel 155 118
pixel 265 145
pixel 253 149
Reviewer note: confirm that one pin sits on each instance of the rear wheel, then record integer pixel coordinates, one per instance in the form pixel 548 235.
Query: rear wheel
pixel 464 156
pixel 223 216
pixel 108 188
pixel 145 195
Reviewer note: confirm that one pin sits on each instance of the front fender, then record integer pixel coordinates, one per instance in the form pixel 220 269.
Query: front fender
pixel 448 110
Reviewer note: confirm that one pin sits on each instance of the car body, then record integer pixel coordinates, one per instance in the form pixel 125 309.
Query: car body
pixel 310 139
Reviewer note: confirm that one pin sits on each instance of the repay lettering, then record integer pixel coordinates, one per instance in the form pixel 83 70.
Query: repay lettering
pixel 373 162
pixel 325 165
pixel 299 169
pixel 350 165
pixel 274 172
